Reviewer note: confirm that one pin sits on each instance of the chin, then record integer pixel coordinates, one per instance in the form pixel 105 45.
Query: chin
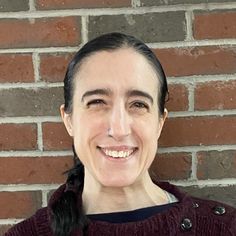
pixel 117 182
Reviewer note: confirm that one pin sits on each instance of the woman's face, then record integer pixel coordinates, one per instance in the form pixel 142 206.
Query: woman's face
pixel 115 121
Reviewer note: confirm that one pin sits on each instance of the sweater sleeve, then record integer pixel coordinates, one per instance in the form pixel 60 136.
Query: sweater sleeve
pixel 36 225
pixel 26 228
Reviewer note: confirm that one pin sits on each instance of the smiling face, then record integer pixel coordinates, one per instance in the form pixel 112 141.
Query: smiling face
pixel 115 121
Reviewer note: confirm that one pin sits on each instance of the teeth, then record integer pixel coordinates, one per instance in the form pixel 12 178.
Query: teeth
pixel 117 154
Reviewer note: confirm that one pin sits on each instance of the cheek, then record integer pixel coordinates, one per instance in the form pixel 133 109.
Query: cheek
pixel 87 127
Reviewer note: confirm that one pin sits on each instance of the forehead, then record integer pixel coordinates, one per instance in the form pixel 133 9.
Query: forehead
pixel 118 69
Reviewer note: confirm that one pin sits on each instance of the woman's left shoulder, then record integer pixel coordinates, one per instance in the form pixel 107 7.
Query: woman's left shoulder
pixel 216 212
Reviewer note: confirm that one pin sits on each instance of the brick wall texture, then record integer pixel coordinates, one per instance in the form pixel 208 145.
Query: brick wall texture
pixel 194 40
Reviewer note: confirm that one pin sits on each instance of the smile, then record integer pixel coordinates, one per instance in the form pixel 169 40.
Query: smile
pixel 118 153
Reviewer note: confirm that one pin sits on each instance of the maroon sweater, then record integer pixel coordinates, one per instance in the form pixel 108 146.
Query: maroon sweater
pixel 190 216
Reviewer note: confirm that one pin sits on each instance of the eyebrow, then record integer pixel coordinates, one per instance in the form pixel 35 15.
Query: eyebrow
pixel 107 92
pixel 139 93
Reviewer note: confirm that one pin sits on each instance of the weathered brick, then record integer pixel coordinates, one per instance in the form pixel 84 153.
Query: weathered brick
pixel 43 32
pixel 19 204
pixel 151 27
pixel 178 98
pixel 53 66
pixel 216 164
pixel 225 194
pixel 55 137
pixel 215 95
pixel 175 2
pixel 214 25
pixel 180 167
pixel 16 68
pixel 18 137
pixel 30 102
pixel 34 170
pixel 207 60
pixel 12 5
pixel 71 4
pixel 191 131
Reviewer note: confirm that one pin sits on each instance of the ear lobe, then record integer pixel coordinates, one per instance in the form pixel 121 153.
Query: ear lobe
pixel 66 120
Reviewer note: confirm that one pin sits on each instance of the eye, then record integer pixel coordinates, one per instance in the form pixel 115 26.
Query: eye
pixel 96 102
pixel 140 105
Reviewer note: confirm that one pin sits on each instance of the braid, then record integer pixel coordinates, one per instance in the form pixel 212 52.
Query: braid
pixel 67 212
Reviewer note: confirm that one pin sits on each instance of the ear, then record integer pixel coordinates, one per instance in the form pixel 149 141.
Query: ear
pixel 161 122
pixel 66 117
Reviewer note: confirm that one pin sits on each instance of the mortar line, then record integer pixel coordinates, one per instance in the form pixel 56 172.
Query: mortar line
pixel 40 136
pixel 200 79
pixel 29 119
pixel 45 198
pixel 39 84
pixel 84 31
pixel 10 221
pixel 36 65
pixel 35 154
pixel 189 31
pixel 116 11
pixel 208 113
pixel 135 3
pixel 191 88
pixel 27 187
pixel 205 183
pixel 160 45
pixel 219 148
pixel 32 6
pixel 194 167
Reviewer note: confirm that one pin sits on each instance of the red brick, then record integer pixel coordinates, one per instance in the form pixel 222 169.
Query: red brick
pixel 18 137
pixel 16 68
pixel 180 167
pixel 71 4
pixel 53 66
pixel 178 98
pixel 215 95
pixel 55 137
pixel 216 165
pixel 207 60
pixel 19 204
pixel 42 32
pixel 214 25
pixel 191 131
pixel 33 170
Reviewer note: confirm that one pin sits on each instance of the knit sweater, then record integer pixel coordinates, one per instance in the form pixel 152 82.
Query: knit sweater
pixel 190 216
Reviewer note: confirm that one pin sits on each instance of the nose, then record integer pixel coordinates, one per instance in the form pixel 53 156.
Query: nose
pixel 119 122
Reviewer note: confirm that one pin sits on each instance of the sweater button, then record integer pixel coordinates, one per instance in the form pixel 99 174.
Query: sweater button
pixel 195 205
pixel 219 210
pixel 186 224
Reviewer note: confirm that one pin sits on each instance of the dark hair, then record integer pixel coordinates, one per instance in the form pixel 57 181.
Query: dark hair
pixel 65 213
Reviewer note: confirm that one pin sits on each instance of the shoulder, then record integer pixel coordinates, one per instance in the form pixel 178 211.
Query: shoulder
pixel 36 225
pixel 215 212
pixel 203 215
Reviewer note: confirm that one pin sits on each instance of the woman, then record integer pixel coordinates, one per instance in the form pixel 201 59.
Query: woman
pixel 115 92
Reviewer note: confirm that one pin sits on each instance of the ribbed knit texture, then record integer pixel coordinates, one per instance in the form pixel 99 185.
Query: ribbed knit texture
pixel 204 221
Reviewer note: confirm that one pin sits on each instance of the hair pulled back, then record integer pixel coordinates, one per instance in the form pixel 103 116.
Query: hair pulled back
pixel 67 213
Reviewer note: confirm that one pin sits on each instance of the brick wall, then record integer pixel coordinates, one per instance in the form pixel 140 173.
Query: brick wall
pixel 196 43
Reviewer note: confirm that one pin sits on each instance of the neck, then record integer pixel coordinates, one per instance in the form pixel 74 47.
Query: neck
pixel 101 199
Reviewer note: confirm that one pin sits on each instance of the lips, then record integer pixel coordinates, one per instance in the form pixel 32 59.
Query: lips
pixel 118 152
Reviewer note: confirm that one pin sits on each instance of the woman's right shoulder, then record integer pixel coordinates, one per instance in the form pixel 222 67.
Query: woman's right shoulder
pixel 36 225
